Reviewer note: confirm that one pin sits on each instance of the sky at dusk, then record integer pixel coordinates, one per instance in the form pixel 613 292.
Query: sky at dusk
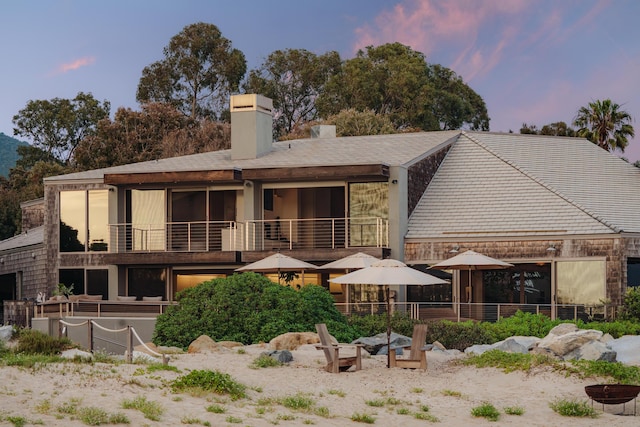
pixel 533 61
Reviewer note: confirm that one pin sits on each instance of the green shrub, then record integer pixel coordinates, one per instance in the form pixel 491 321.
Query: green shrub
pixel 458 335
pixel 35 342
pixel 212 381
pixel 150 409
pixel 521 324
pixel 615 329
pixel 631 305
pixel 265 361
pixel 486 410
pixel 373 324
pixel 573 408
pixel 247 308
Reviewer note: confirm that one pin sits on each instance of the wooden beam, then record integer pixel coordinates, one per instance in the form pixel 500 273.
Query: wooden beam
pixel 228 175
pixel 310 173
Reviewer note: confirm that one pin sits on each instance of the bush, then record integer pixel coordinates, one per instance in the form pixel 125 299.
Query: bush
pixel 631 305
pixel 247 308
pixel 35 342
pixel 458 335
pixel 210 381
pixel 373 324
pixel 521 324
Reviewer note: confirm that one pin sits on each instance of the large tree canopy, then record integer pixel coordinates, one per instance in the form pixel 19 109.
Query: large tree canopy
pixel 158 131
pixel 293 79
pixel 396 81
pixel 199 71
pixel 605 124
pixel 57 126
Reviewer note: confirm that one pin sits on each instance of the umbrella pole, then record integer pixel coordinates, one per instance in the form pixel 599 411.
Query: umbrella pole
pixel 388 329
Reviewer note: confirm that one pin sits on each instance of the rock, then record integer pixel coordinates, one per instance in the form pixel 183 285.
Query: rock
pixel 204 344
pixel 74 352
pixel 282 356
pixel 438 346
pixel 377 344
pixel 560 345
pixel 6 332
pixel 478 349
pixel 606 338
pixel 517 344
pixel 563 329
pixel 169 349
pixel 230 344
pixel 142 357
pixel 593 350
pixel 293 340
pixel 627 349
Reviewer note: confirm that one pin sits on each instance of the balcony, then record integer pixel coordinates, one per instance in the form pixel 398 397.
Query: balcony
pixel 254 235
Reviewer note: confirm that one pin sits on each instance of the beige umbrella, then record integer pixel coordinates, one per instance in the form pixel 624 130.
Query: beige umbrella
pixel 388 272
pixel 277 263
pixel 351 262
pixel 470 260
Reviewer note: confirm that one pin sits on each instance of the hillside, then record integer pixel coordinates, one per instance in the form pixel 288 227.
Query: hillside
pixel 8 154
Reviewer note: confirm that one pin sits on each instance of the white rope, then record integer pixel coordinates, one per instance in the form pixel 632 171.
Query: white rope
pixel 71 324
pixel 144 345
pixel 108 330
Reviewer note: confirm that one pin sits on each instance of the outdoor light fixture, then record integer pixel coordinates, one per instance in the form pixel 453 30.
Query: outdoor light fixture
pixel 33 255
pixel 395 181
pixel 1 260
pixel 454 250
pixel 552 247
pixel 247 184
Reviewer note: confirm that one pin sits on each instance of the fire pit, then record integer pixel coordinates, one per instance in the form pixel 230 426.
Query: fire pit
pixel 613 394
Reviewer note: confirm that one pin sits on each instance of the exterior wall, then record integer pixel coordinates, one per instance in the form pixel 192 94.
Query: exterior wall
pixel 32 214
pixel 31 262
pixel 516 251
pixel 420 175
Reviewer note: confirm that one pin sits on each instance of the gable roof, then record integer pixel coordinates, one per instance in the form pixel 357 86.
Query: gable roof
pixel 393 150
pixel 32 237
pixel 527 185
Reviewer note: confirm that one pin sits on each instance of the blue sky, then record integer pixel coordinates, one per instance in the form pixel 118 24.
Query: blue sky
pixel 533 61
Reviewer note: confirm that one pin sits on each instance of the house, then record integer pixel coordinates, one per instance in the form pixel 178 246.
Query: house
pixel 562 210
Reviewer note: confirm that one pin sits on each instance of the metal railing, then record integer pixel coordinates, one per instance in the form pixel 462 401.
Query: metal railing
pixel 489 312
pixel 253 235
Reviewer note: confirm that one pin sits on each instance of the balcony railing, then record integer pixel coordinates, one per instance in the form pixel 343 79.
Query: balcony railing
pixel 255 235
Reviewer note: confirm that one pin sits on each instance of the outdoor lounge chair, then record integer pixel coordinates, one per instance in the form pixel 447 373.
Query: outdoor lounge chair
pixel 335 363
pixel 417 356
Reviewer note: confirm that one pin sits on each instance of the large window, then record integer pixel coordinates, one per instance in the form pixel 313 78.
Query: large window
pixel 581 282
pixel 523 284
pixel 367 201
pixel 146 214
pixel 84 221
pixel 147 282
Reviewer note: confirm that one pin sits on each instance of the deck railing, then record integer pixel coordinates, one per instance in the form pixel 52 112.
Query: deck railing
pixel 254 235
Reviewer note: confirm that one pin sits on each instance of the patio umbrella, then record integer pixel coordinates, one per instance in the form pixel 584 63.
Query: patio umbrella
pixel 351 262
pixel 470 260
pixel 277 263
pixel 388 272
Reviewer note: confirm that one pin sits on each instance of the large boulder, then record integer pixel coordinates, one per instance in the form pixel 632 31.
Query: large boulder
pixel 592 350
pixel 515 344
pixel 282 356
pixel 204 344
pixel 627 349
pixel 560 345
pixel 293 340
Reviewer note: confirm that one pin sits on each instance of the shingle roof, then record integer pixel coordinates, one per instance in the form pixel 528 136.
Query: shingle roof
pixel 393 150
pixel 517 185
pixel 31 237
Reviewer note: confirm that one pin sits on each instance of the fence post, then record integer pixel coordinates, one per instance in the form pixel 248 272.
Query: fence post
pixel 129 345
pixel 90 328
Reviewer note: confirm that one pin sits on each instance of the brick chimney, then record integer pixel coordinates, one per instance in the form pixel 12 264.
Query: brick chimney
pixel 251 126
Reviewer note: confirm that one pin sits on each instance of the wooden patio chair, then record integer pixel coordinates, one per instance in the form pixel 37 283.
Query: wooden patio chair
pixel 335 363
pixel 417 356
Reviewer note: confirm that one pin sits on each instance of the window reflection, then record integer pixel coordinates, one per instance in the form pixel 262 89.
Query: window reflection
pixel 72 221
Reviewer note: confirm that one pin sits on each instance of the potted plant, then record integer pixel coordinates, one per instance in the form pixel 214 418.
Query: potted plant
pixel 62 291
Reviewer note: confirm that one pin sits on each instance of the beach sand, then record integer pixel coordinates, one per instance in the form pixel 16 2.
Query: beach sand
pixel 449 390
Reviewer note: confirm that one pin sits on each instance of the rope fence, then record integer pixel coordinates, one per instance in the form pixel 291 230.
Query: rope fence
pixel 131 334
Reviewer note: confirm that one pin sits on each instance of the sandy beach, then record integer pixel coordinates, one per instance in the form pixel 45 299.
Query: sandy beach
pixel 449 390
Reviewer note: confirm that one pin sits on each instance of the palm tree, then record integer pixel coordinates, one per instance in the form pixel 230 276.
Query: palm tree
pixel 605 124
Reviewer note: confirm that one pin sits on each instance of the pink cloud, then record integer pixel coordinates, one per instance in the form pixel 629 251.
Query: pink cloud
pixel 74 65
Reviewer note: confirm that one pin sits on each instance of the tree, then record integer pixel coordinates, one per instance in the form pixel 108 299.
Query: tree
pixel 356 123
pixel 199 71
pixel 157 131
pixel 605 124
pixel 293 79
pixel 553 129
pixel 57 126
pixel 396 81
